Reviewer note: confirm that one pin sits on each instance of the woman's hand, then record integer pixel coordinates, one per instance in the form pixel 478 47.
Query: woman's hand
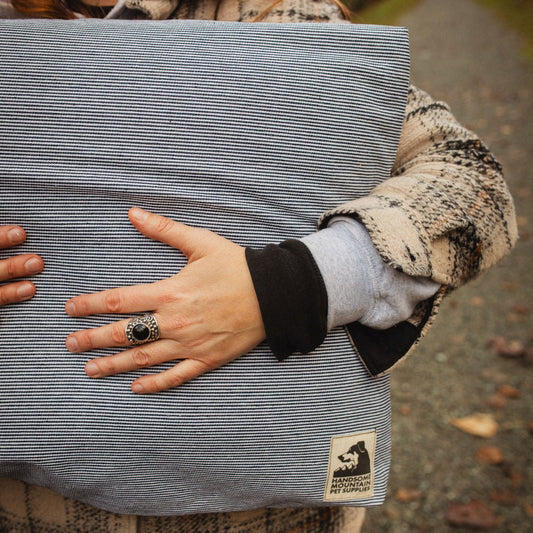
pixel 17 267
pixel 208 313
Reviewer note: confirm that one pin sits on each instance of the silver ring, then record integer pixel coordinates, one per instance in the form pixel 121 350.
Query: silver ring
pixel 142 329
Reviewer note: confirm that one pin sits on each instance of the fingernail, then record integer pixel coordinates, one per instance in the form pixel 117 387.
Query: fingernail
pixel 15 235
pixel 138 214
pixel 70 308
pixel 91 369
pixel 25 291
pixel 33 265
pixel 137 388
pixel 72 344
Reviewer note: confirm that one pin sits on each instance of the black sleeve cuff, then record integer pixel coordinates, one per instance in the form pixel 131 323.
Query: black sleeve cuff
pixel 292 296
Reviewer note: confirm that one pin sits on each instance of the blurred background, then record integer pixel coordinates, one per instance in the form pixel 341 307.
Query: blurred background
pixel 475 368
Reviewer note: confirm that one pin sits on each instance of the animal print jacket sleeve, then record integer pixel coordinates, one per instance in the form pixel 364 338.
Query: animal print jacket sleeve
pixel 445 213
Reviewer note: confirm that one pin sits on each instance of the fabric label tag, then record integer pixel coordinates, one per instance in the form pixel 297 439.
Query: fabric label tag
pixel 351 467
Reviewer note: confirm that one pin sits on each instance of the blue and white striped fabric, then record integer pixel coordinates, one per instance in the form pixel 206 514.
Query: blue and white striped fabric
pixel 251 130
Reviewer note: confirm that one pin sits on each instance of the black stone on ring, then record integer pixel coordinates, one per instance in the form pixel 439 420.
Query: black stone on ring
pixel 142 329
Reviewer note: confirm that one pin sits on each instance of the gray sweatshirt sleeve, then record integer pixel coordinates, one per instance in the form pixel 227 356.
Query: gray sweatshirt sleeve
pixel 360 285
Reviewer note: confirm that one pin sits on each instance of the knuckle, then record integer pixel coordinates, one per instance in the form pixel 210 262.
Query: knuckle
pixel 164 224
pixel 169 297
pixel 112 302
pixel 178 323
pixel 141 358
pixel 4 296
pixel 170 381
pixel 202 366
pixel 11 269
pixel 118 335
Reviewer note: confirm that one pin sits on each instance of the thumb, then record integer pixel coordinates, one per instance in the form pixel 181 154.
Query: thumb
pixel 191 241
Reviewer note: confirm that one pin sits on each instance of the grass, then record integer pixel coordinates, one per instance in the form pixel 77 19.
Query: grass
pixel 386 12
pixel 516 13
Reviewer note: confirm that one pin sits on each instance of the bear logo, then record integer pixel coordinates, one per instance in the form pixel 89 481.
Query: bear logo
pixel 356 461
pixel 351 467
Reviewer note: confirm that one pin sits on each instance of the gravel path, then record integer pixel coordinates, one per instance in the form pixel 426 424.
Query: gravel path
pixel 464 55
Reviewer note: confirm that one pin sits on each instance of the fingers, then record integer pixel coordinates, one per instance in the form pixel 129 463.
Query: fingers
pixel 184 371
pixel 17 267
pixel 20 266
pixel 143 356
pixel 108 336
pixel 133 299
pixel 16 292
pixel 11 236
pixel 148 355
pixel 185 238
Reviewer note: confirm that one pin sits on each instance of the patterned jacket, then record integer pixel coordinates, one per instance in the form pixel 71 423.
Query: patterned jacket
pixel 445 213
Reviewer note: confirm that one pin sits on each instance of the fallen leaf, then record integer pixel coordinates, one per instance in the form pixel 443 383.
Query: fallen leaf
pixel 521 222
pixel 504 497
pixel 405 410
pixel 478 424
pixel 474 515
pixel 408 494
pixel 528 508
pixel 508 391
pixel 477 301
pixel 508 286
pixel 511 349
pixel 497 401
pixel 491 455
pixel 530 426
pixel 522 309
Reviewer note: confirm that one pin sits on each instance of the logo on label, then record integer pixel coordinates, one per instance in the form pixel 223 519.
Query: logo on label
pixel 351 467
